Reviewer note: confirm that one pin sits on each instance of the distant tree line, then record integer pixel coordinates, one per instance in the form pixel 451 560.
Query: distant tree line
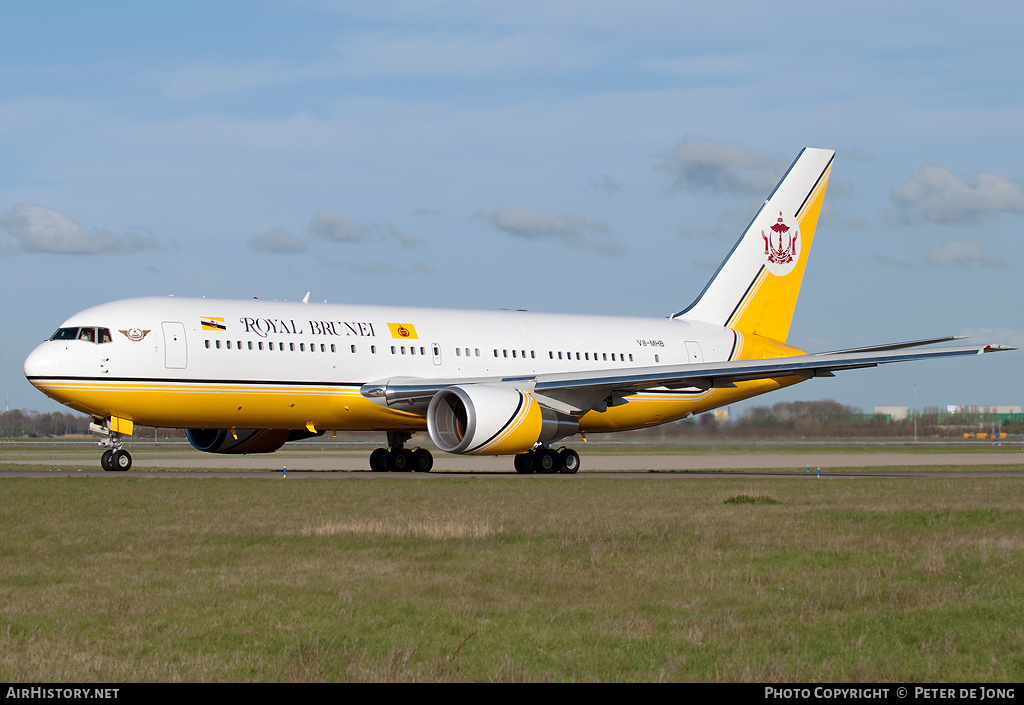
pixel 20 423
pixel 787 419
pixel 830 419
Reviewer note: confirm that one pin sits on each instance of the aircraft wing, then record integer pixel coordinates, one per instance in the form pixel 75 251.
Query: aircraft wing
pixel 577 392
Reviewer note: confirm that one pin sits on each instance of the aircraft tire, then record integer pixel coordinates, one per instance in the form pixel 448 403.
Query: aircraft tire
pixel 105 461
pixel 121 461
pixel 524 463
pixel 568 461
pixel 422 460
pixel 545 461
pixel 379 460
pixel 400 460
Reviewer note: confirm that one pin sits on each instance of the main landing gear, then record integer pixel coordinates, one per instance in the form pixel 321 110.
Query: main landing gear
pixel 548 461
pixel 397 458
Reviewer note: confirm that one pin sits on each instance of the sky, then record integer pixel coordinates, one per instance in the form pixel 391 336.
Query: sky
pixel 578 157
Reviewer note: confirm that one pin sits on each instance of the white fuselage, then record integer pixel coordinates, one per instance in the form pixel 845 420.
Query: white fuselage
pixel 172 361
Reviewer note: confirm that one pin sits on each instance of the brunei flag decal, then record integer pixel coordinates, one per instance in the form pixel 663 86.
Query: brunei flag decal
pixel 403 330
pixel 213 323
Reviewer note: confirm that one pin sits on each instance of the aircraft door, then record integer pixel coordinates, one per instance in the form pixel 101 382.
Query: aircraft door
pixel 437 353
pixel 693 354
pixel 175 352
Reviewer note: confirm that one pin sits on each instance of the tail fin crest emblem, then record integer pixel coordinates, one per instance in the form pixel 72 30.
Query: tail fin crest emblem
pixel 779 254
pixel 756 287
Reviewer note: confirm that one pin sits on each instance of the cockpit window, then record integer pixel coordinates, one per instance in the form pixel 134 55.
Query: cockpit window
pixel 65 334
pixel 90 335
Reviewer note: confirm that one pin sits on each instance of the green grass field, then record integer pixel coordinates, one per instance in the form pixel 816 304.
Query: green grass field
pixel 509 579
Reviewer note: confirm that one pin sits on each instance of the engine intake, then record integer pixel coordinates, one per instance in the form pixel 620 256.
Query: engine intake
pixel 479 419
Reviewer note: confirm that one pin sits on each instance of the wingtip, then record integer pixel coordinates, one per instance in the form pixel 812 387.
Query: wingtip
pixel 998 348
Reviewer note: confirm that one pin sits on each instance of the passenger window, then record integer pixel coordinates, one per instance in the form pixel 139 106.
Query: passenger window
pixel 229 345
pixel 207 344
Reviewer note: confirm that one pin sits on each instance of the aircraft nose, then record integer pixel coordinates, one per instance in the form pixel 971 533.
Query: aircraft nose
pixel 44 361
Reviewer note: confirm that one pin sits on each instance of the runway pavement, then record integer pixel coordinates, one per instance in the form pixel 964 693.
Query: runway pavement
pixel 771 464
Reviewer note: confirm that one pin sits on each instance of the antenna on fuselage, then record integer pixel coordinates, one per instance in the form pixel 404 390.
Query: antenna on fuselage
pixel 305 299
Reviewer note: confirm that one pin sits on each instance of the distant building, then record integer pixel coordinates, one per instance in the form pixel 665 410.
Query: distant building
pixel 956 409
pixel 895 413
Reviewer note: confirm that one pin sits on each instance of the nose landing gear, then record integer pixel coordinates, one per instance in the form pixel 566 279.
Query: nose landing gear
pixel 115 458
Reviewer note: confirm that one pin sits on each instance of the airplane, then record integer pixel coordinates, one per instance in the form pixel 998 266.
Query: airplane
pixel 250 376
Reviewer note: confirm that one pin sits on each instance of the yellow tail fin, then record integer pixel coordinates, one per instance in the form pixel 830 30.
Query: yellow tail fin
pixel 756 287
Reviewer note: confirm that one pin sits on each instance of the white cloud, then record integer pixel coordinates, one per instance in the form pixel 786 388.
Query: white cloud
pixel 569 229
pixel 936 195
pixel 278 241
pixel 41 229
pixel 379 268
pixel 331 226
pixel 607 184
pixel 409 242
pixel 965 254
pixel 462 54
pixel 707 166
pixel 337 228
pixel 710 232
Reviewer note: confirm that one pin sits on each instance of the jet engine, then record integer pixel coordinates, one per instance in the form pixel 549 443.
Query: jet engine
pixel 479 419
pixel 242 440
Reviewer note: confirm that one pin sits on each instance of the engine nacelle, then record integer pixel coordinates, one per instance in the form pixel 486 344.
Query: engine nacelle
pixel 244 440
pixel 478 419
